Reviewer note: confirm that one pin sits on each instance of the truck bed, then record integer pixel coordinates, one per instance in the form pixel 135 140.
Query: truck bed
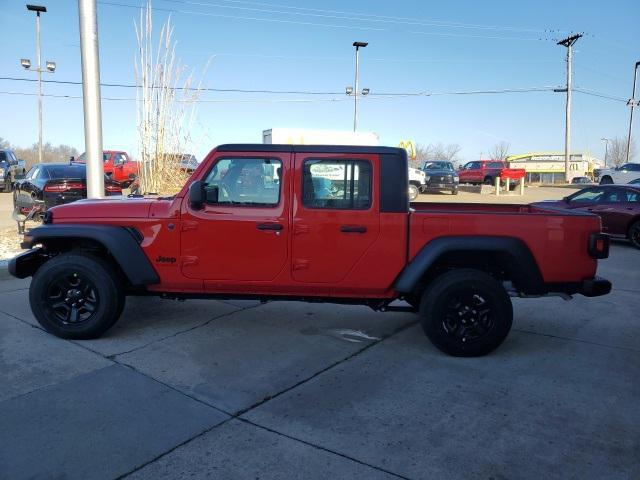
pixel 558 239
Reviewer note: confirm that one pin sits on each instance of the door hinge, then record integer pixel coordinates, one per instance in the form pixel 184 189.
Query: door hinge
pixel 186 261
pixel 300 264
pixel 188 225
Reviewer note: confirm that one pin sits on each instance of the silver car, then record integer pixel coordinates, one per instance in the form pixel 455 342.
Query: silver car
pixel 623 174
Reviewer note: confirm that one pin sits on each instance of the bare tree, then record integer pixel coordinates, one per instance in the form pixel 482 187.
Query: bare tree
pixel 4 143
pixel 617 152
pixel 50 153
pixel 500 151
pixel 433 152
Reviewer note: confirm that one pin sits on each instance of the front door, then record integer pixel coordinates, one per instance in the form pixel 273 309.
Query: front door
pixel 336 219
pixel 243 234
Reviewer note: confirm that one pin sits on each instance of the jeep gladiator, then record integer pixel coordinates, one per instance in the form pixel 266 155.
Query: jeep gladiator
pixel 311 223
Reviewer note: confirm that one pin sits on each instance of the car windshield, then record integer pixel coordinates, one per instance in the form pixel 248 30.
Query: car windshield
pixel 67 171
pixel 439 166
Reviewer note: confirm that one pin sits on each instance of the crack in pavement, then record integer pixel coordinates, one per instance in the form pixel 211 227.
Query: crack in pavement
pixel 572 339
pixel 237 414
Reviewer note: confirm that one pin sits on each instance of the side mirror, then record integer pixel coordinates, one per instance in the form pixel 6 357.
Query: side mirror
pixel 565 199
pixel 197 195
pixel 211 194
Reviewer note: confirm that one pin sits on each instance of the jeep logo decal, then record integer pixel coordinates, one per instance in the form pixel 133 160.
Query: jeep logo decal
pixel 162 259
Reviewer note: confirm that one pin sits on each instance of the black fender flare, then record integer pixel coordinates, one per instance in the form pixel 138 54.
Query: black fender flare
pixel 120 243
pixel 515 257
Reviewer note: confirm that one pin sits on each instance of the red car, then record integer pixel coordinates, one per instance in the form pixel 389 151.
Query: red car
pixel 117 166
pixel 311 223
pixel 486 171
pixel 617 205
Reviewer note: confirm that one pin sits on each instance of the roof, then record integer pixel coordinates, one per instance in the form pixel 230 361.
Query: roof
pixel 268 147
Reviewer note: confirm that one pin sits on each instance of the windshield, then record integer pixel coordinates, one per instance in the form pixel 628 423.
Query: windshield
pixel 439 166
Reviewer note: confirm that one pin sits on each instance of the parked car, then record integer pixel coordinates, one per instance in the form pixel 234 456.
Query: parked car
pixel 188 162
pixel 360 244
pixel 49 184
pixel 117 166
pixel 622 174
pixel 440 175
pixel 10 169
pixel 581 180
pixel 486 171
pixel 617 205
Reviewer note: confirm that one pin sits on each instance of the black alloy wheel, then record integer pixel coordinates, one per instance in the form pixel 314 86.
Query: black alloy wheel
pixel 466 312
pixel 76 295
pixel 634 234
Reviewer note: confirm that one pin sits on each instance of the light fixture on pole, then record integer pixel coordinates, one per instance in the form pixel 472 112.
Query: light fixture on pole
pixel 568 42
pixel 606 149
pixel 354 91
pixel 50 68
pixel 632 103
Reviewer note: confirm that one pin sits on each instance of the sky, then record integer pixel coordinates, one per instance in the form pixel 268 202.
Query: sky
pixel 283 45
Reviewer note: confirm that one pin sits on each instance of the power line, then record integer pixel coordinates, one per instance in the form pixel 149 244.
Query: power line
pixel 342 15
pixel 298 22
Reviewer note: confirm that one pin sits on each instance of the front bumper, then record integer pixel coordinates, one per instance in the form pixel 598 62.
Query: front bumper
pixel 25 264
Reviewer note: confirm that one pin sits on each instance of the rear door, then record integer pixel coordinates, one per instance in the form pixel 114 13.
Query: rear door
pixel 336 215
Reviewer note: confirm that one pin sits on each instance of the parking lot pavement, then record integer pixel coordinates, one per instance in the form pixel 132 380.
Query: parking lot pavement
pixel 324 391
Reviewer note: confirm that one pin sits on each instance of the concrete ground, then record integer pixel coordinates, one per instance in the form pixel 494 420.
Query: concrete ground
pixel 212 389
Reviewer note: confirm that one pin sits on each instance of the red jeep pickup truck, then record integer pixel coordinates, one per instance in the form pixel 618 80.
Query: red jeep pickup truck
pixel 312 223
pixel 486 171
pixel 118 166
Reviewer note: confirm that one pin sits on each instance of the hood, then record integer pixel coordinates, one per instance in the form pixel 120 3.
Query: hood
pixel 121 207
pixel 440 171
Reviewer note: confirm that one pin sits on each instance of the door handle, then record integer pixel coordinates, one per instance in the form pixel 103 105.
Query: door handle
pixel 269 226
pixel 353 229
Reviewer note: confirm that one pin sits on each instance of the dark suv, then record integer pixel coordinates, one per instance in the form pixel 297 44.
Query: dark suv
pixel 10 169
pixel 440 175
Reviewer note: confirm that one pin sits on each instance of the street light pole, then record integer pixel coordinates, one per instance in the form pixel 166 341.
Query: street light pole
pixel 632 103
pixel 38 9
pixel 356 93
pixel 606 149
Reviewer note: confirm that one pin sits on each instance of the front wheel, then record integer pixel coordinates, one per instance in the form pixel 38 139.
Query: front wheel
pixel 606 180
pixel 8 185
pixel 634 234
pixel 466 313
pixel 413 192
pixel 76 296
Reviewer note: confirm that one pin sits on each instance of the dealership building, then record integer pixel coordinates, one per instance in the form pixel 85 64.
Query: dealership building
pixel 548 167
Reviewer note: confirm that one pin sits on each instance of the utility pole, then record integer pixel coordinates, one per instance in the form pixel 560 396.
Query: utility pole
pixel 568 42
pixel 88 15
pixel 356 94
pixel 632 103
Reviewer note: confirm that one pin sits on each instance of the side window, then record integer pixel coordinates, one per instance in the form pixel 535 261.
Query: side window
pixel 475 166
pixel 633 167
pixel 613 196
pixel 119 159
pixel 246 181
pixel 632 196
pixel 593 195
pixel 336 184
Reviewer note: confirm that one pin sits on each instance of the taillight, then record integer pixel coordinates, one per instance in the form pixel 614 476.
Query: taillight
pixel 598 245
pixel 63 187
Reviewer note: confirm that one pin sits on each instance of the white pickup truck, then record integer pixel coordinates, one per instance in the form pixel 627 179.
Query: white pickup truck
pixel 623 174
pixel 417 182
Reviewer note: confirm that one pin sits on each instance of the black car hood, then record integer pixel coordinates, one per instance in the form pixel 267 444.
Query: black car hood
pixel 439 172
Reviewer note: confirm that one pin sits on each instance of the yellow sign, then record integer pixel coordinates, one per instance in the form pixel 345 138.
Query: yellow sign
pixel 410 147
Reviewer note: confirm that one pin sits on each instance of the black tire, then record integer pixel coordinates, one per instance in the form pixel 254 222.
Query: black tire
pixel 76 296
pixel 8 185
pixel 488 180
pixel 466 313
pixel 633 234
pixel 606 180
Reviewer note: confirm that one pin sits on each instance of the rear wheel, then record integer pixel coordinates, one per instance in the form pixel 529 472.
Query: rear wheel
pixel 466 313
pixel 606 180
pixel 488 180
pixel 76 296
pixel 634 234
pixel 8 185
